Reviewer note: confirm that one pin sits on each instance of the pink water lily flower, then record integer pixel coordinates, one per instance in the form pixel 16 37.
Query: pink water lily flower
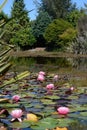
pixel 55 78
pixel 72 88
pixel 42 73
pixel 16 98
pixel 40 78
pixel 50 86
pixel 16 114
pixel 63 110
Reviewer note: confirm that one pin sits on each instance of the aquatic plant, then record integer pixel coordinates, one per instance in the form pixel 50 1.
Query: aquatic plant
pixel 55 78
pixel 42 73
pixel 16 114
pixel 16 98
pixel 41 77
pixel 63 110
pixel 50 86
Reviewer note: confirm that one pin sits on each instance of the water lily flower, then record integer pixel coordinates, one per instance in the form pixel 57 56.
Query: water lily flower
pixel 72 88
pixel 16 114
pixel 42 73
pixel 55 78
pixel 69 91
pixel 50 86
pixel 40 78
pixel 16 98
pixel 63 110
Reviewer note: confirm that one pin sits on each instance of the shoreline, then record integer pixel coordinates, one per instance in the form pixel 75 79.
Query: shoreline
pixel 30 53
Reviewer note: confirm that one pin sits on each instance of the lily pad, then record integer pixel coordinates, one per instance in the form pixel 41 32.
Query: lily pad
pixel 64 122
pixel 20 124
pixel 48 122
pixel 4 100
pixel 83 114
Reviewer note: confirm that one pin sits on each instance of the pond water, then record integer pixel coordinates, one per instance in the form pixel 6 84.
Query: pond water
pixel 54 63
pixel 35 98
pixel 73 68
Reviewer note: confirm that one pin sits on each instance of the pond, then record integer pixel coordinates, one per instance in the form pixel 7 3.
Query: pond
pixel 43 103
pixel 73 68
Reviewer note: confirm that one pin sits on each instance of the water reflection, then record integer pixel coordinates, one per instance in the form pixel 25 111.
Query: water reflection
pixel 49 64
pixel 41 63
pixel 80 63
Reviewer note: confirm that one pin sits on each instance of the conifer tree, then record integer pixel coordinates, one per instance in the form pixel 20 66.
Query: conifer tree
pixel 18 31
pixel 57 8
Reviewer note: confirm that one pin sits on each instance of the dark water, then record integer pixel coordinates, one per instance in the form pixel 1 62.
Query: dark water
pixel 50 64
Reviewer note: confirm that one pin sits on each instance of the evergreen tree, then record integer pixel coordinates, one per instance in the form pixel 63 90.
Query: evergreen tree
pixel 19 13
pixel 18 31
pixel 3 16
pixel 57 8
pixel 39 27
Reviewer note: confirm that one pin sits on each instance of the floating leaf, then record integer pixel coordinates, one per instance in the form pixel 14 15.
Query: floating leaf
pixel 64 122
pixel 31 117
pixel 4 100
pixel 46 101
pixel 19 124
pixel 83 114
pixel 48 122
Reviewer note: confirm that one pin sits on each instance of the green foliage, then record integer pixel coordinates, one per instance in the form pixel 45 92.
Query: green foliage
pixel 19 13
pixel 74 16
pixel 54 30
pixel 18 30
pixel 57 8
pixel 68 35
pixel 3 16
pixel 40 24
pixel 80 43
pixel 23 37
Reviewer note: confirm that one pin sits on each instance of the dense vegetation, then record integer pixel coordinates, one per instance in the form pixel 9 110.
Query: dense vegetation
pixel 59 26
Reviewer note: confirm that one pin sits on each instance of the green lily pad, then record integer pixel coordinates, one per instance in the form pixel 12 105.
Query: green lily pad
pixel 52 97
pixel 47 101
pixel 64 122
pixel 48 122
pixel 83 114
pixel 73 97
pixel 77 107
pixel 20 124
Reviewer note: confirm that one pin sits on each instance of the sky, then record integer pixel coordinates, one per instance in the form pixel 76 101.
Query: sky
pixel 31 5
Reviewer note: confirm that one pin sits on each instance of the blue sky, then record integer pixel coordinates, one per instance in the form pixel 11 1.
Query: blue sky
pixel 30 5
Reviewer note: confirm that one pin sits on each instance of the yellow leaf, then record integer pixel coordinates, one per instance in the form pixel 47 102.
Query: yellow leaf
pixel 64 128
pixel 4 100
pixel 32 117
